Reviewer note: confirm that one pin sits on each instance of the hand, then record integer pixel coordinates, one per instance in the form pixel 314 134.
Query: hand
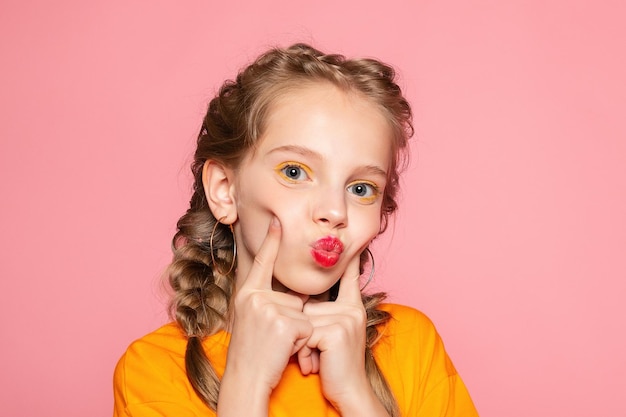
pixel 268 328
pixel 339 339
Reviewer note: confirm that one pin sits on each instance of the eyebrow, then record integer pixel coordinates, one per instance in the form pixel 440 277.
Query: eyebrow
pixel 301 150
pixel 375 170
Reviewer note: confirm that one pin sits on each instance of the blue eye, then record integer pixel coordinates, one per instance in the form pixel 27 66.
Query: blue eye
pixel 366 192
pixel 293 172
pixel 361 189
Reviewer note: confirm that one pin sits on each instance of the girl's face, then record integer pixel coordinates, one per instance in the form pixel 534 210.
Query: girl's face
pixel 320 168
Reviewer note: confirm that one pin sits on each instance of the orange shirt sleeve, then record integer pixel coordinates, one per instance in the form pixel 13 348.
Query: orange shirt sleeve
pixel 150 379
pixel 412 357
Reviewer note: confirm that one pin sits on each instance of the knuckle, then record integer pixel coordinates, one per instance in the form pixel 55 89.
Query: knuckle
pixel 254 300
pixel 341 334
pixel 281 326
pixel 269 310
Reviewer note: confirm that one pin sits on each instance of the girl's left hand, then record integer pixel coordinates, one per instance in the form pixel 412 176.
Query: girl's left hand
pixel 336 348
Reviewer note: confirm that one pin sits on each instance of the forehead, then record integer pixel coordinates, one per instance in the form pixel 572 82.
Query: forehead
pixel 341 126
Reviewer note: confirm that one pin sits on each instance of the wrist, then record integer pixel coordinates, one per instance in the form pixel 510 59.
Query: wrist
pixel 234 387
pixel 361 402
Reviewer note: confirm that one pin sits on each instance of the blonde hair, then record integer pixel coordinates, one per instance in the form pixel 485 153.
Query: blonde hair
pixel 235 120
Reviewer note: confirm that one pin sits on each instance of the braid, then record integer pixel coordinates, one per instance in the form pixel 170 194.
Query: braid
pixel 201 373
pixel 201 296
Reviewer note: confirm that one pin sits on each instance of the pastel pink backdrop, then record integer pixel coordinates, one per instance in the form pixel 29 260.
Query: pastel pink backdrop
pixel 512 230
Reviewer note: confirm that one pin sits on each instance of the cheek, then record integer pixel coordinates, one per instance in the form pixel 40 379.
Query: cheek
pixel 260 204
pixel 268 201
pixel 253 217
pixel 365 226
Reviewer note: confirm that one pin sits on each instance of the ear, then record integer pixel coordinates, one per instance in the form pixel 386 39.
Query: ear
pixel 218 189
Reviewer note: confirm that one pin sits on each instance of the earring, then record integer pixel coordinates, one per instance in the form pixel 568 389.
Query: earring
pixel 232 264
pixel 371 275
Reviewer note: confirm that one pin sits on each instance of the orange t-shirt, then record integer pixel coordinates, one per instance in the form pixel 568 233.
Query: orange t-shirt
pixel 150 378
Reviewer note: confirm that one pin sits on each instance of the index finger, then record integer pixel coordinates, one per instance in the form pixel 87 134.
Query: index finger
pixel 349 287
pixel 260 275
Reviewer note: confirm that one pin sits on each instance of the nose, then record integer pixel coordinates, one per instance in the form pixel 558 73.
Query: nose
pixel 330 209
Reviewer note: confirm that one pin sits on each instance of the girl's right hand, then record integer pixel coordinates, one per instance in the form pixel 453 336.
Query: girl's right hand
pixel 268 328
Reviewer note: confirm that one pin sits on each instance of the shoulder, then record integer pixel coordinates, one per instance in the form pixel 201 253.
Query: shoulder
pixel 167 340
pixel 412 356
pixel 403 311
pixel 150 377
pixel 161 353
pixel 148 352
pixel 405 319
pixel 411 338
pixel 155 360
pixel 152 352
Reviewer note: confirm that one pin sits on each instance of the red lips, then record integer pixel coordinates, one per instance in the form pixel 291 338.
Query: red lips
pixel 326 251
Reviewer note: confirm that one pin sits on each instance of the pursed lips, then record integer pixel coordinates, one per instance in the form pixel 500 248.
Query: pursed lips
pixel 327 250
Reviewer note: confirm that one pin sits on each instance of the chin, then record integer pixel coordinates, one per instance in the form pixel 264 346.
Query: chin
pixel 314 287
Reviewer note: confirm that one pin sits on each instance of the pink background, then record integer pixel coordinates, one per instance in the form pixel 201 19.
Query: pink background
pixel 512 230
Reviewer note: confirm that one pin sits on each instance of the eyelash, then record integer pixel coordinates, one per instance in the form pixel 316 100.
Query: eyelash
pixel 371 189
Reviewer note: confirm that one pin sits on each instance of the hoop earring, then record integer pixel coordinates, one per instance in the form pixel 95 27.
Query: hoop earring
pixel 371 275
pixel 215 264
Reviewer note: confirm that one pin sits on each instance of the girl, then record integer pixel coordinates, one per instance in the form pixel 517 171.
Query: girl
pixel 296 172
